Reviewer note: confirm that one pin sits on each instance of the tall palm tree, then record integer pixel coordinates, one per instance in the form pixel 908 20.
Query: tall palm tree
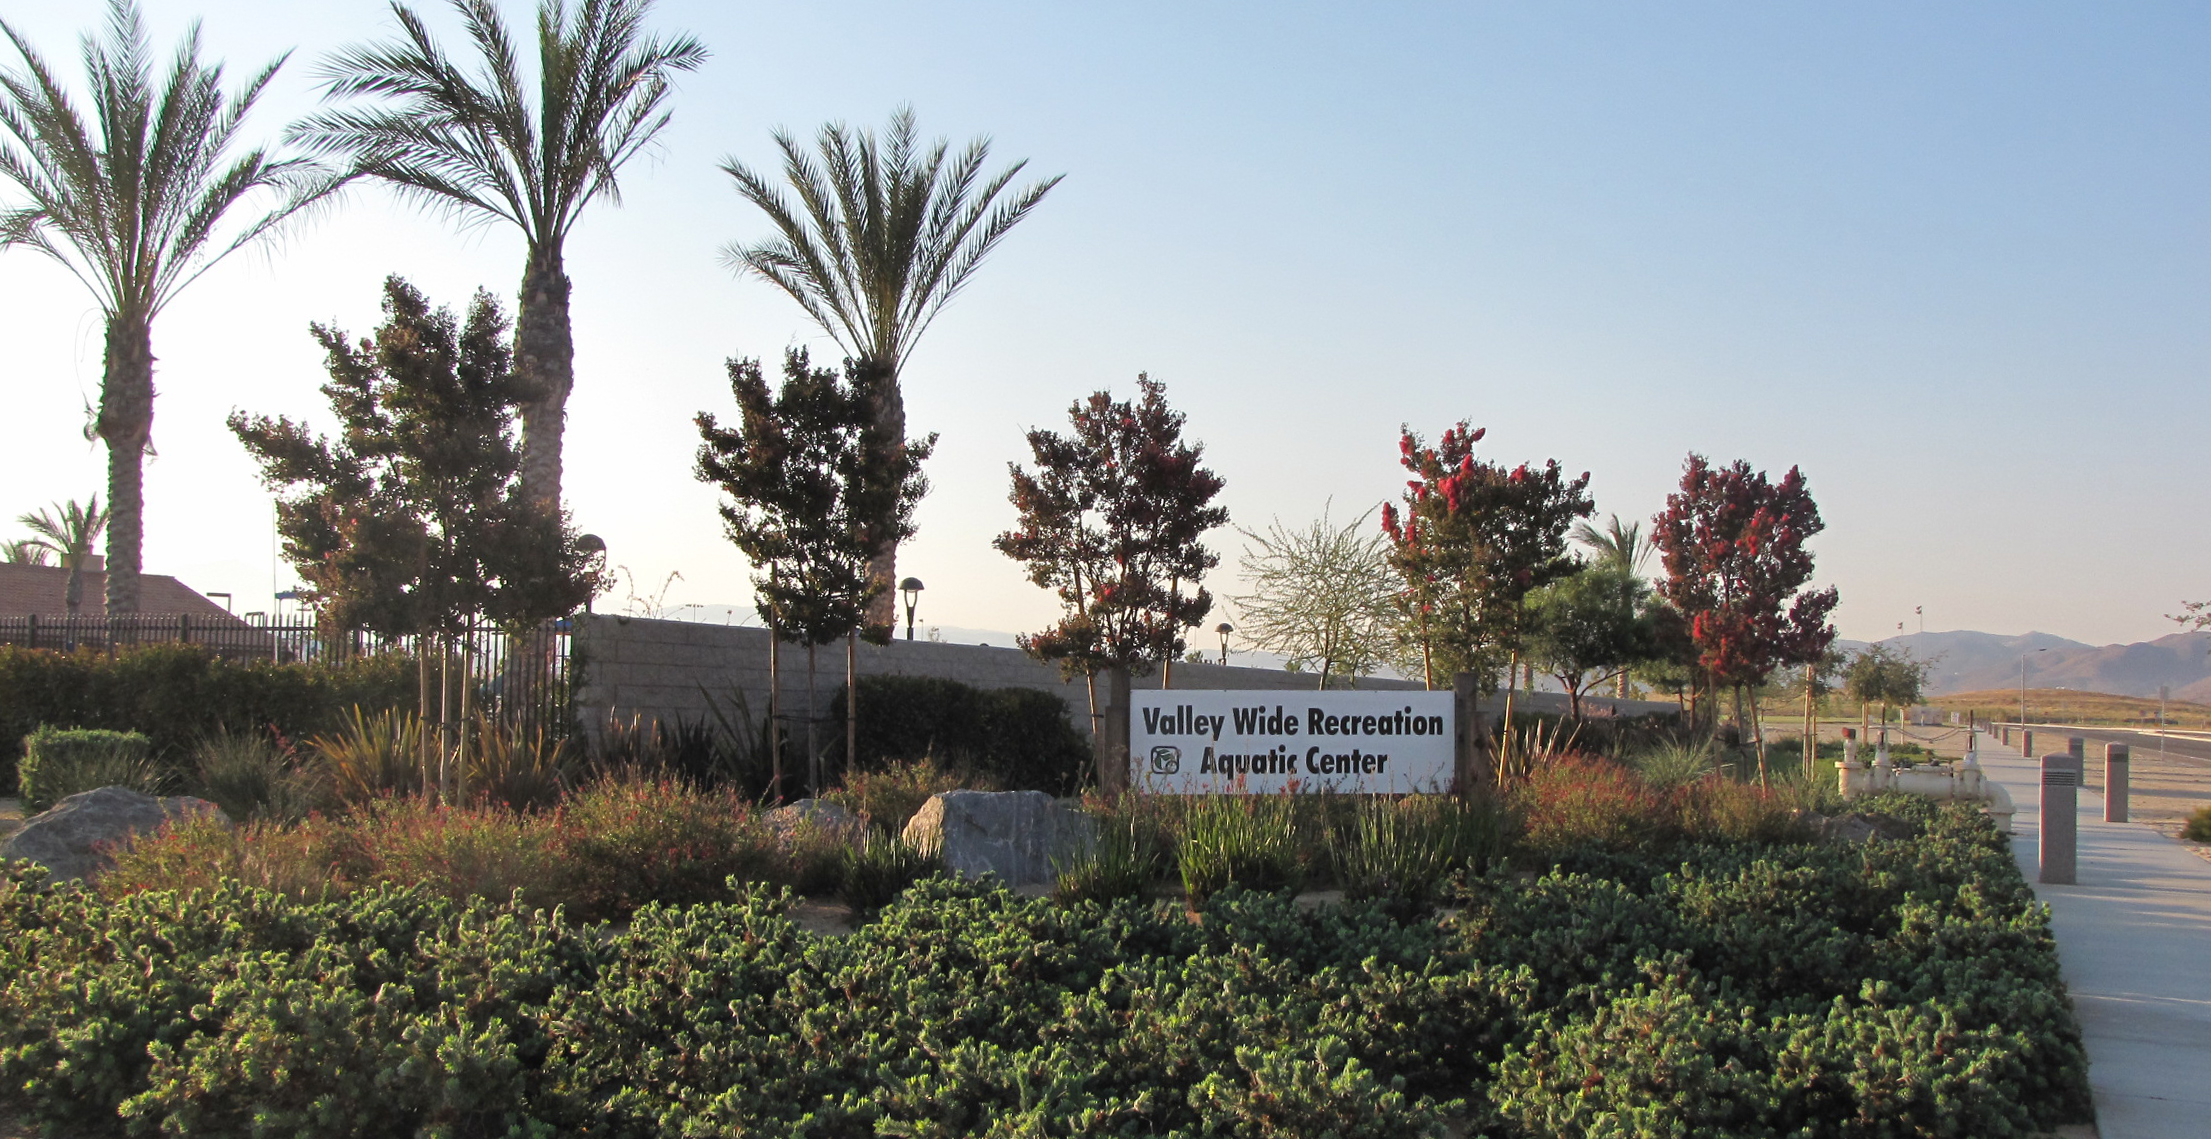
pixel 1620 545
pixel 474 142
pixel 68 534
pixel 886 232
pixel 133 203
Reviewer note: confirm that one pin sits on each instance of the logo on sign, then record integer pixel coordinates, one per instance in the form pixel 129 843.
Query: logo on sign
pixel 1166 759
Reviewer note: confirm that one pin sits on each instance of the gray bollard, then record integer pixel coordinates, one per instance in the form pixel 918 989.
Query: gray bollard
pixel 2026 742
pixel 2059 843
pixel 2115 783
pixel 2078 749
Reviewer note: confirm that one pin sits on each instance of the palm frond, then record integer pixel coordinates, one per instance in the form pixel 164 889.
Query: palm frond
pixel 885 231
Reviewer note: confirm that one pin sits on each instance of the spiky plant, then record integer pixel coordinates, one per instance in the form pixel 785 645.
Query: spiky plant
pixel 136 202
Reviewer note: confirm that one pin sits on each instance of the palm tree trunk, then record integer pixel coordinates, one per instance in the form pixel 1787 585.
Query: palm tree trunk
pixel 890 432
pixel 126 423
pixel 545 365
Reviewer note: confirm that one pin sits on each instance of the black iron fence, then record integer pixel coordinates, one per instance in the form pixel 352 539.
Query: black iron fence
pixel 522 673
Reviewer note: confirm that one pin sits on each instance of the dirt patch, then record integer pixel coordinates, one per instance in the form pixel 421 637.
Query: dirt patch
pixel 11 821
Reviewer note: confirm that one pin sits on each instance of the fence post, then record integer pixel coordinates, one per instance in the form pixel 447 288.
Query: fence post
pixel 2057 846
pixel 184 628
pixel 30 632
pixel 2116 762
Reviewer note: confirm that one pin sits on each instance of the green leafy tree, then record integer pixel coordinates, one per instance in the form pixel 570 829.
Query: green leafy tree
pixel 136 200
pixel 1887 676
pixel 1323 596
pixel 810 497
pixel 884 234
pixel 1471 540
pixel 1110 520
pixel 69 534
pixel 1590 626
pixel 412 520
pixel 471 141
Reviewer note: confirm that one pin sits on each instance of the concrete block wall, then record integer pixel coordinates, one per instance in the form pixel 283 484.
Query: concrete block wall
pixel 680 670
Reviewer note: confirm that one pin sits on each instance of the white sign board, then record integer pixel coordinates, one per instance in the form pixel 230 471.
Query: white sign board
pixel 1193 742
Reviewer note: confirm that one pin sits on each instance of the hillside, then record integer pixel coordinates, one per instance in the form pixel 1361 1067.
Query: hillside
pixel 1966 661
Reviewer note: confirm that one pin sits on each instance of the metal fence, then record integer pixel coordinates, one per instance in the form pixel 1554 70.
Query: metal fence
pixel 522 673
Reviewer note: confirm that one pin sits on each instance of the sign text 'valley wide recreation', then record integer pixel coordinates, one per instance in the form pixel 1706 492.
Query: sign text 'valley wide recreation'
pixel 1192 742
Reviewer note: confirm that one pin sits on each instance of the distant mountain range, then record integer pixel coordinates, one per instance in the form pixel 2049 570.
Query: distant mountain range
pixel 1967 661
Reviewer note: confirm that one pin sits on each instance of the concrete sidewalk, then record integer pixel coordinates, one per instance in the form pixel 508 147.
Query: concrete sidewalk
pixel 2134 940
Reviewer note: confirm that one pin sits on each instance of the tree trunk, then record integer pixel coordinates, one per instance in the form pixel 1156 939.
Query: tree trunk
pixel 1811 734
pixel 422 713
pixel 1505 743
pixel 890 428
pixel 813 750
pixel 126 424
pixel 775 716
pixel 545 366
pixel 851 703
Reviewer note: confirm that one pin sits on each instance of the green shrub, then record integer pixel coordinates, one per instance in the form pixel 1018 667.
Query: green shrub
pixel 621 844
pixel 1020 738
pixel 58 763
pixel 371 755
pixel 1904 988
pixel 522 766
pixel 1403 851
pixel 1128 856
pixel 1675 762
pixel 178 694
pixel 1251 840
pixel 254 777
pixel 890 795
pixel 2198 827
pixel 876 870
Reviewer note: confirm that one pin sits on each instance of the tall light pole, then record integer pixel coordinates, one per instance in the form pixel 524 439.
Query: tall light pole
pixel 911 590
pixel 2023 686
pixel 1224 629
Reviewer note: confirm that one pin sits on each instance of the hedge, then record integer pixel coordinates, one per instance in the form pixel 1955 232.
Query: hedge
pixel 1895 988
pixel 174 694
pixel 1021 738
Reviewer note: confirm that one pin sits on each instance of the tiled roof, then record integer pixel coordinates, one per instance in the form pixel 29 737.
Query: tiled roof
pixel 44 590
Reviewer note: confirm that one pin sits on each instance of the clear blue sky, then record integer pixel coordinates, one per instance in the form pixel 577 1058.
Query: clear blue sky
pixel 1949 259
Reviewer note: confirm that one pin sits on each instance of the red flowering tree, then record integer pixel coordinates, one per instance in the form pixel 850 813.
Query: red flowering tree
pixel 1110 520
pixel 1471 539
pixel 1732 545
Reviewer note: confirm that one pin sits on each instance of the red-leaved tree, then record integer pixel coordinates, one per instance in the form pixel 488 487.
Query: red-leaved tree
pixel 1732 544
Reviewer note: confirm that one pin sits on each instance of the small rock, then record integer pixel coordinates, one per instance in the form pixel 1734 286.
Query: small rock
pixel 72 839
pixel 1861 828
pixel 818 814
pixel 1013 834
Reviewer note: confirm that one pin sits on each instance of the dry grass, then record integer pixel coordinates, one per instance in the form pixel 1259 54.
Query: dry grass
pixel 2068 706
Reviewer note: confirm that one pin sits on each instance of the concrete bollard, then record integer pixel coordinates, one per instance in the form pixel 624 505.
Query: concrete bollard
pixel 2026 742
pixel 2058 845
pixel 2115 783
pixel 2078 749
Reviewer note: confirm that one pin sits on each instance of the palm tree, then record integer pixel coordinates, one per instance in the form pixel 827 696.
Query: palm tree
pixel 24 552
pixel 886 233
pixel 68 534
pixel 474 143
pixel 133 204
pixel 1620 545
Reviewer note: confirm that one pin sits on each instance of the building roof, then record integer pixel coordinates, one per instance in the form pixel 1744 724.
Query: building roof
pixel 44 590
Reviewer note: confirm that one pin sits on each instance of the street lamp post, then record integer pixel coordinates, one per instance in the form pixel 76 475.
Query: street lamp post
pixel 594 548
pixel 1224 629
pixel 2023 686
pixel 910 588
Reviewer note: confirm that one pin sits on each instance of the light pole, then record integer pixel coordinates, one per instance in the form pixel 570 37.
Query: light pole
pixel 2023 686
pixel 1224 629
pixel 594 547
pixel 910 588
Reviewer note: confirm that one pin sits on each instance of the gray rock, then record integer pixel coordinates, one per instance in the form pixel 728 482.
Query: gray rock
pixel 1861 828
pixel 73 838
pixel 818 814
pixel 1013 834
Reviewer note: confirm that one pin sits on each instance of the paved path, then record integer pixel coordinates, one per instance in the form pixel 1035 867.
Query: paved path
pixel 2134 940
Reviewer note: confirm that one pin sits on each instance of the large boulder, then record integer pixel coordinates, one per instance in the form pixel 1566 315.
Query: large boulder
pixel 818 815
pixel 1014 834
pixel 72 839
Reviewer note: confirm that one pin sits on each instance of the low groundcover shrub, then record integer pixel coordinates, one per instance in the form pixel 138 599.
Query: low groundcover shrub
pixel 1903 987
